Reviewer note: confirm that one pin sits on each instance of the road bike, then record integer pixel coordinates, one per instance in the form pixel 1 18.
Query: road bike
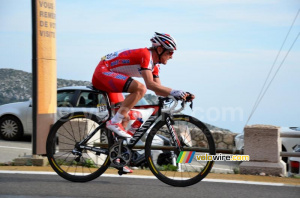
pixel 80 148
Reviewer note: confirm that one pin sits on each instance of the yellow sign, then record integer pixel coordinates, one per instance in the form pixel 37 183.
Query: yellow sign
pixel 46 55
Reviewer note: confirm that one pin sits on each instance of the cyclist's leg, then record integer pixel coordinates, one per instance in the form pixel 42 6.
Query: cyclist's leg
pixel 112 83
pixel 137 91
pixel 108 81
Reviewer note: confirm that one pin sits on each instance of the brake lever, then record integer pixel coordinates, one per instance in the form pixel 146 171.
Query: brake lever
pixel 191 105
pixel 189 99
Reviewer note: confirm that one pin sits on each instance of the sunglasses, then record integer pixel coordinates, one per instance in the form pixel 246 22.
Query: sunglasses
pixel 171 53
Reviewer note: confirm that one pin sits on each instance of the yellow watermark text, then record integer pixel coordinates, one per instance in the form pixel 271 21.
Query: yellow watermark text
pixel 222 157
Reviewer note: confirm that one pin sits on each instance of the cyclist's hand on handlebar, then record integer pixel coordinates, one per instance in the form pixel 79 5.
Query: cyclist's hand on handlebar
pixel 182 95
pixel 178 94
pixel 189 97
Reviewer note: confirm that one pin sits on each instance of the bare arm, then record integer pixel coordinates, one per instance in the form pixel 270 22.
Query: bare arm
pixel 157 80
pixel 154 84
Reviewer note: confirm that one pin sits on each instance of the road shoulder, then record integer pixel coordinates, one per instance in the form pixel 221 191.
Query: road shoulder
pixel 239 177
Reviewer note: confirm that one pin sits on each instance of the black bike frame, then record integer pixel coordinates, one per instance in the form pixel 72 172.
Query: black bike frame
pixel 138 134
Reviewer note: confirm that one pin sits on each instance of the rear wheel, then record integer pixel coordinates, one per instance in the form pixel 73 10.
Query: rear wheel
pixel 67 158
pixel 168 163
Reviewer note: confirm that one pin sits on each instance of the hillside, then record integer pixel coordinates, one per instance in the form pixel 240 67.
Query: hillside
pixel 16 86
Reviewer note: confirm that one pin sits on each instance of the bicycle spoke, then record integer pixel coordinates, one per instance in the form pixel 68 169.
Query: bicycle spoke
pixel 69 133
pixel 192 139
pixel 72 161
pixel 72 131
pixel 67 143
pixel 79 128
pixel 66 137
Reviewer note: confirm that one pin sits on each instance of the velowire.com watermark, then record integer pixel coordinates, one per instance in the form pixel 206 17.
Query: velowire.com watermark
pixel 188 156
pixel 222 157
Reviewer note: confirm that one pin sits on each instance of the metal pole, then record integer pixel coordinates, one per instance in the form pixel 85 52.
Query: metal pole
pixel 34 75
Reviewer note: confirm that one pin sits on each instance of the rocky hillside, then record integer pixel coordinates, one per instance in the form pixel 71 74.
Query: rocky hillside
pixel 16 86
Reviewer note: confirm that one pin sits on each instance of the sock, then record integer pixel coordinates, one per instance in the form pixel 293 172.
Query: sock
pixel 117 118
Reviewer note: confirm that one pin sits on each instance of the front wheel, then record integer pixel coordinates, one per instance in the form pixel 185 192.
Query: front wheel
pixel 179 165
pixel 74 162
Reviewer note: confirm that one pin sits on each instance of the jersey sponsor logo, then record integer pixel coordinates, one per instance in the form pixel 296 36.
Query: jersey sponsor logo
pixel 115 75
pixel 121 77
pixel 127 61
pixel 108 73
pixel 116 62
pixel 113 55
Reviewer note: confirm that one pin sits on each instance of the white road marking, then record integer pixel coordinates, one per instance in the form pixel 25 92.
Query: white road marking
pixel 9 147
pixel 153 177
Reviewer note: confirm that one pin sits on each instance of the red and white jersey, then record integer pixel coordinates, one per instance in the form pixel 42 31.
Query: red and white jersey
pixel 130 62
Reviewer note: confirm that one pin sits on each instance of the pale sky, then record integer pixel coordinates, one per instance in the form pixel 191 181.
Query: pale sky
pixel 225 50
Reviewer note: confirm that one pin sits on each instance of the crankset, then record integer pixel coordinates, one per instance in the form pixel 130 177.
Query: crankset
pixel 119 155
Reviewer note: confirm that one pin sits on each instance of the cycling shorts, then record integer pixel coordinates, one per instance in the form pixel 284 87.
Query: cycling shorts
pixel 109 81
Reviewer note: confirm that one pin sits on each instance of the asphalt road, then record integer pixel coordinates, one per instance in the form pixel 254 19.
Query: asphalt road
pixel 33 186
pixel 10 150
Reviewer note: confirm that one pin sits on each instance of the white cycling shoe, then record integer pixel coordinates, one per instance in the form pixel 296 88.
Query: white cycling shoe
pixel 118 129
pixel 126 169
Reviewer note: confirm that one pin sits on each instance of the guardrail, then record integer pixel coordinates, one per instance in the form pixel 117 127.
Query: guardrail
pixel 204 150
pixel 290 154
pixel 290 135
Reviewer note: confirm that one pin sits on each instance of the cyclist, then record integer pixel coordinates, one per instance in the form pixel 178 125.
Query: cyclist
pixel 115 71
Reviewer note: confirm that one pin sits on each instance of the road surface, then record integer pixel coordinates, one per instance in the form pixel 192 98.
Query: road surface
pixel 34 186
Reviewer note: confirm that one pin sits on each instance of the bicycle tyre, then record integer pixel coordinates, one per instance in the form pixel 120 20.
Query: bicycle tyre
pixel 161 164
pixel 64 135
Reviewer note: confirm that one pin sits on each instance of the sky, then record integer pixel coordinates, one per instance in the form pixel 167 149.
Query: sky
pixel 225 50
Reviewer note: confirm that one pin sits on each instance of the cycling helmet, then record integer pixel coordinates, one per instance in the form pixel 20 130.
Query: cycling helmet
pixel 164 40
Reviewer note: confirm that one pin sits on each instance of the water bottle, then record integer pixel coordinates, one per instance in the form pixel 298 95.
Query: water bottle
pixel 135 126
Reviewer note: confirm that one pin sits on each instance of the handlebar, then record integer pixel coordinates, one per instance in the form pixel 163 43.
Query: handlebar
pixel 172 109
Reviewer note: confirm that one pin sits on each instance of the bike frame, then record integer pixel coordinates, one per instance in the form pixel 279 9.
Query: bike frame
pixel 139 133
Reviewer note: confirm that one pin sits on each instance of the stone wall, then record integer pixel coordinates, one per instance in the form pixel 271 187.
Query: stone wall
pixel 224 140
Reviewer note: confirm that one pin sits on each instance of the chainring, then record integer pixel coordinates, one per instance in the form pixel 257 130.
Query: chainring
pixel 121 159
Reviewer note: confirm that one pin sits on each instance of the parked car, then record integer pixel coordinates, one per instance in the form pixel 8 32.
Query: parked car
pixel 294 163
pixel 288 144
pixel 16 118
pixel 239 142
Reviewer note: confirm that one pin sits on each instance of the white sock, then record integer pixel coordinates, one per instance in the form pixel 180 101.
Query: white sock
pixel 117 118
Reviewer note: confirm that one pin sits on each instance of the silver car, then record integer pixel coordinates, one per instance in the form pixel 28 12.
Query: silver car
pixel 294 164
pixel 16 118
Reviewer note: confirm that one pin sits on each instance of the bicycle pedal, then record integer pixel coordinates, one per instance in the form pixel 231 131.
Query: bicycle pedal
pixel 121 172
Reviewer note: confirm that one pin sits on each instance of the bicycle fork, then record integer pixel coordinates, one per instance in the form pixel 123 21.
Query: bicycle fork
pixel 174 138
